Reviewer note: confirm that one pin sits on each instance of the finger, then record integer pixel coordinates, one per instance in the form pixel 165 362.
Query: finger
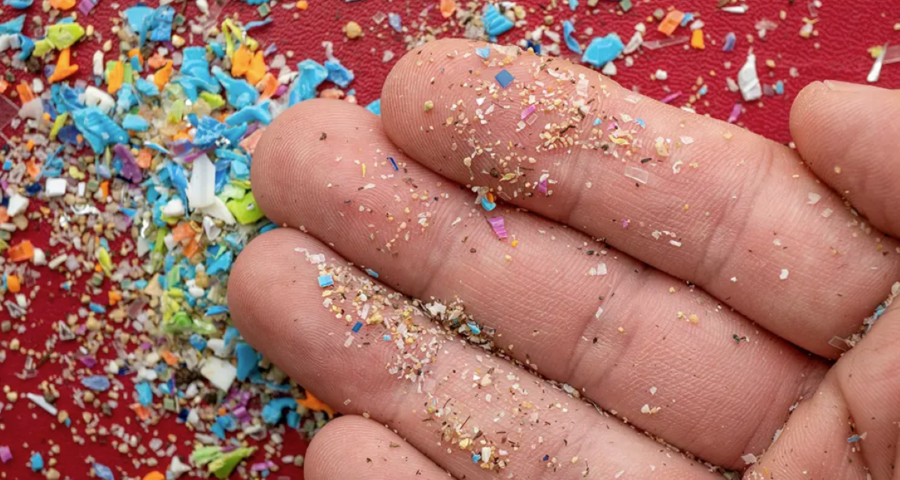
pixel 845 133
pixel 354 447
pixel 849 428
pixel 435 391
pixel 642 353
pixel 737 209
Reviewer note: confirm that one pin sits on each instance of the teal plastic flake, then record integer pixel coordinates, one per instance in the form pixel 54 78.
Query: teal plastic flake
pixel 603 50
pixel 311 75
pixel 495 23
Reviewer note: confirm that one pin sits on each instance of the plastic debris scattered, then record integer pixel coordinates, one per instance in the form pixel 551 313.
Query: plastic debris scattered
pixel 749 81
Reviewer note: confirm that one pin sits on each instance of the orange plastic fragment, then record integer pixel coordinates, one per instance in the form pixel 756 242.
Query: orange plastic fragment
pixel 154 476
pixel 25 93
pixel 697 40
pixel 104 187
pixel 181 135
pixel 144 158
pixel 161 77
pixel 490 197
pixel 169 357
pixel 62 4
pixel 448 7
pixel 249 142
pixel 156 61
pixel 64 68
pixel 141 412
pixel 240 61
pixel 21 252
pixel 314 403
pixel 257 68
pixel 33 169
pixel 12 283
pixel 3 85
pixel 4 217
pixel 30 144
pixel 114 297
pixel 671 22
pixel 191 248
pixel 116 77
pixel 136 52
pixel 269 86
pixel 182 231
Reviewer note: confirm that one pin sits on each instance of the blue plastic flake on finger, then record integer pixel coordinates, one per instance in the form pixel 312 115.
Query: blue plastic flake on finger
pixel 271 412
pixel 144 393
pixel 487 205
pixel 394 22
pixel 571 42
pixel 854 438
pixel 135 123
pixel 533 46
pixel 338 74
pixel 603 50
pixel 251 113
pixel 326 281
pixel 37 462
pixel 374 107
pixel 231 334
pixel 146 87
pixel 495 23
pixel 386 337
pixel 475 458
pixel 504 78
pixel 483 52
pixel 357 327
pixel 102 471
pixel 730 41
pixel 573 4
pixel 239 92
pixel 474 328
pixel 640 122
pixel 394 164
pixel 97 383
pixel 98 129
pixel 247 360
pixel 13 26
pixel 18 4
pixel 310 75
pixel 372 273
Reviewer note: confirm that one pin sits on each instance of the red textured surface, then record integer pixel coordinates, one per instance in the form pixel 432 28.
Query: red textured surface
pixel 847 30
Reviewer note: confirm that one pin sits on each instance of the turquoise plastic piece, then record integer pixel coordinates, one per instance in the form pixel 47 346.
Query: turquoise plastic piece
pixel 311 75
pixel 571 42
pixel 494 22
pixel 603 50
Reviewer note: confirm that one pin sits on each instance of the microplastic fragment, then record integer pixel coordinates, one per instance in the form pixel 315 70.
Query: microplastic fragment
pixel 504 78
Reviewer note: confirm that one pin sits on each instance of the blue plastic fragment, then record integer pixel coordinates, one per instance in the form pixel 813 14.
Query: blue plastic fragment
pixel 495 23
pixel 13 26
pixel 37 462
pixel 386 337
pixel 375 107
pixel 231 334
pixel 326 281
pixel 640 122
pixel 571 42
pixel 475 458
pixel 257 24
pixel 573 4
pixel 161 24
pixel 18 4
pixel 239 92
pixel 686 19
pixel 97 308
pixel 293 419
pixel 219 265
pixel 310 75
pixel 533 46
pixel 144 393
pixel 146 87
pixel 135 123
pixel 247 360
pixel 372 273
pixel 504 78
pixel 136 16
pixel 195 74
pixel 483 52
pixel 98 129
pixel 730 41
pixel 271 412
pixel 126 99
pixel 779 87
pixel 27 46
pixel 197 342
pixel 487 205
pixel 216 310
pixel 97 383
pixel 394 22
pixel 338 74
pixel 474 328
pixel 357 327
pixel 703 90
pixel 603 50
pixel 251 113
pixel 103 471
pixel 854 438
pixel 394 164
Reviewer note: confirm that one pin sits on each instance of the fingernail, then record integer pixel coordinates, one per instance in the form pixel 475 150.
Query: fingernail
pixel 837 86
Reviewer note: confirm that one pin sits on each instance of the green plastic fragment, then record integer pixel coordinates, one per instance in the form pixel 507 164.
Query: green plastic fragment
pixel 176 111
pixel 204 455
pixel 59 36
pixel 203 327
pixel 264 10
pixel 245 210
pixel 626 5
pixel 105 260
pixel 224 465
pixel 126 78
pixel 57 124
pixel 213 99
pixel 179 323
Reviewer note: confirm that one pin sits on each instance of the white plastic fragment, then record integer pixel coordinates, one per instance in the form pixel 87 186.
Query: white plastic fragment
pixel 17 204
pixel 741 9
pixel 219 210
pixel 875 73
pixel 748 80
pixel 599 270
pixel 202 189
pixel 203 6
pixel 784 274
pixel 609 69
pixel 749 458
pixel 39 258
pixel 813 198
pixel 177 468
pixel 219 372
pixel 57 261
pixel 33 109
pixel 637 174
pixel 173 209
pixel 662 75
pixel 56 187
pixel 94 97
pixel 636 40
pixel 98 63
pixel 39 401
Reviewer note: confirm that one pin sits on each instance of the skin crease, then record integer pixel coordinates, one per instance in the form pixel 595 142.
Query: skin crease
pixel 692 369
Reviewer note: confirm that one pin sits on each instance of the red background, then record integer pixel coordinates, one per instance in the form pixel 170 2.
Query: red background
pixel 846 30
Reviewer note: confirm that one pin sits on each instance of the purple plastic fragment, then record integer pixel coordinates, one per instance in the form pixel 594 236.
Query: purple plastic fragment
pixel 499 227
pixel 130 169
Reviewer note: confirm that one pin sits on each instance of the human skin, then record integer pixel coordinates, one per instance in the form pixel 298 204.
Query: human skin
pixel 691 279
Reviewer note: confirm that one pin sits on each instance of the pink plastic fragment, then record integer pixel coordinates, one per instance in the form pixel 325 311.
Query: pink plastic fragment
pixel 85 6
pixel 735 113
pixel 671 97
pixel 258 467
pixel 499 228
pixel 5 454
pixel 542 186
pixel 528 111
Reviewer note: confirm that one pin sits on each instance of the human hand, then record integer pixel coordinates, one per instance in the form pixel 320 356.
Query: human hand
pixel 731 212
